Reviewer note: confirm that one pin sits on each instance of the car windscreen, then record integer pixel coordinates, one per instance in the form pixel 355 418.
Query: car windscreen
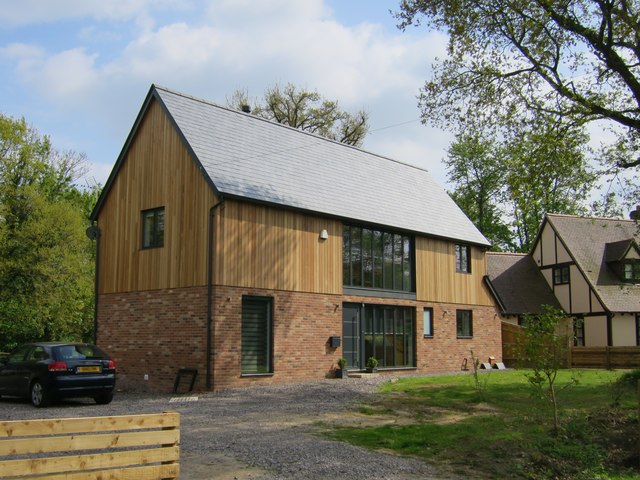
pixel 79 352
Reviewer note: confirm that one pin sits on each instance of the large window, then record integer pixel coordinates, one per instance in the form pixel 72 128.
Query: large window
pixel 463 258
pixel 256 335
pixel 578 332
pixel 377 259
pixel 464 323
pixel 153 228
pixel 388 335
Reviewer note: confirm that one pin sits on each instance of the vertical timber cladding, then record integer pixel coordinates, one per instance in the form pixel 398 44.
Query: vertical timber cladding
pixel 437 279
pixel 276 249
pixel 157 171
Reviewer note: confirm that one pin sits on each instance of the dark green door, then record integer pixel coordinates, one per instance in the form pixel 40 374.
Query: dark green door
pixel 351 334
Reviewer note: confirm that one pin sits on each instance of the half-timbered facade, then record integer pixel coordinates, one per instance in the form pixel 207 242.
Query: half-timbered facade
pixel 254 252
pixel 591 266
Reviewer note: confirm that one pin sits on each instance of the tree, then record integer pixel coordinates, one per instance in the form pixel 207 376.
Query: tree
pixel 505 185
pixel 46 266
pixel 576 59
pixel 307 111
pixel 543 348
pixel 546 170
pixel 474 169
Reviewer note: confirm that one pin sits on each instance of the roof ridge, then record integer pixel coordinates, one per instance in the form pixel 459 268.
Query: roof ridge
pixel 519 254
pixel 320 137
pixel 586 217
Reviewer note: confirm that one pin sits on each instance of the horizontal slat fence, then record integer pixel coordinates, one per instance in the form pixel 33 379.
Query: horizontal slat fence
pixel 510 335
pixel 144 447
pixel 605 357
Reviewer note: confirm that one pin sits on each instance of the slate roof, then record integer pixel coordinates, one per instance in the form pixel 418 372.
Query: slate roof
pixel 518 284
pixel 585 239
pixel 247 157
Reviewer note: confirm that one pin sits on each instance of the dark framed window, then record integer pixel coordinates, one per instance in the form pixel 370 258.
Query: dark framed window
pixel 257 325
pixel 377 259
pixel 578 332
pixel 464 323
pixel 388 335
pixel 463 258
pixel 427 322
pixel 561 275
pixel 153 228
pixel 632 271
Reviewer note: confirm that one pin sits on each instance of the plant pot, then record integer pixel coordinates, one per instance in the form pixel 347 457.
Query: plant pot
pixel 372 370
pixel 342 373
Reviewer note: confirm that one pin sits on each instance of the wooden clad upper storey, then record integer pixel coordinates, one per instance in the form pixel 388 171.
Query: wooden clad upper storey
pixel 280 200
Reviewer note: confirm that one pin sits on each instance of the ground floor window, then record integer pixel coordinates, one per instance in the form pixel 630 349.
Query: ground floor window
pixel 578 332
pixel 464 323
pixel 386 332
pixel 256 335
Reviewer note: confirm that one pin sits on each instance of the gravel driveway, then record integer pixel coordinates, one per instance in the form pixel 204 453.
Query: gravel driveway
pixel 266 432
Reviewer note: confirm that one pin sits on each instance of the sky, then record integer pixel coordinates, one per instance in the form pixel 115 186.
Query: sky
pixel 79 70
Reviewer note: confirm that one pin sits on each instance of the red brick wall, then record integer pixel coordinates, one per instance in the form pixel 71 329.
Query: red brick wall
pixel 157 332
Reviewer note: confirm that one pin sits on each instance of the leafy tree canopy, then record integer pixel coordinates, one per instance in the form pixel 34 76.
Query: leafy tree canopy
pixel 576 59
pixel 306 110
pixel 46 260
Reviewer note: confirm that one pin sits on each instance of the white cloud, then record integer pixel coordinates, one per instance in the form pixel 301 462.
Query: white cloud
pixel 232 44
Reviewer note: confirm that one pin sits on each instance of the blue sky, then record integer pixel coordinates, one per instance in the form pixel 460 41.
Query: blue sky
pixel 78 70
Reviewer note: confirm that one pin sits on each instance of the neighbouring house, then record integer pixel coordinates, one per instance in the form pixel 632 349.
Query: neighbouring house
pixel 254 252
pixel 590 267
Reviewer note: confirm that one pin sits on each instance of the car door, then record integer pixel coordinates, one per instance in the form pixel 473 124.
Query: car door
pixel 12 372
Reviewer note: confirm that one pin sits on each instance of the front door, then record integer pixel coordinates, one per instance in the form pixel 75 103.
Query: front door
pixel 351 334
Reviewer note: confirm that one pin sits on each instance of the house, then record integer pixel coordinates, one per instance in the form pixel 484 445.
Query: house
pixel 254 252
pixel 590 267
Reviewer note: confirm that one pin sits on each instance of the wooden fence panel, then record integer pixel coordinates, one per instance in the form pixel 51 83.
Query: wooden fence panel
pixel 605 357
pixel 510 335
pixel 92 448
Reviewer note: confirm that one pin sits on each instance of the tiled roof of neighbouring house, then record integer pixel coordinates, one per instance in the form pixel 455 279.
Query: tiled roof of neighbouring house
pixel 586 240
pixel 251 158
pixel 518 284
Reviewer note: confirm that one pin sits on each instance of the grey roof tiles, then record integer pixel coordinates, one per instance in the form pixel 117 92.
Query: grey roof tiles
pixel 251 158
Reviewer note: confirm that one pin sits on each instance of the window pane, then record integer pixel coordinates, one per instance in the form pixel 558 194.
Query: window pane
pixel 388 261
pixel 406 264
pixel 428 322
pixel 356 256
pixel 368 333
pixel 367 258
pixel 397 262
pixel 377 259
pixel 256 335
pixel 464 323
pixel 346 256
pixel 159 228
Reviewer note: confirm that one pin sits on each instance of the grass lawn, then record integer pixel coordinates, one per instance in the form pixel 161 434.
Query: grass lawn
pixel 502 430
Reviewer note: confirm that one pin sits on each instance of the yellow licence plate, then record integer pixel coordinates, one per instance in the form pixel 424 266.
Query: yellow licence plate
pixel 94 369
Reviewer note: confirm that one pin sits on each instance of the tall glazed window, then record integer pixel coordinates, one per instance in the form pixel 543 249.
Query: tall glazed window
pixel 377 259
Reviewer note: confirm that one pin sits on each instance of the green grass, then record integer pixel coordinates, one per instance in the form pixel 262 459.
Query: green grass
pixel 509 434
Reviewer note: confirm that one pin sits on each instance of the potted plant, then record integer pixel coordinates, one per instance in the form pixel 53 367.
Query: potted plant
pixel 341 371
pixel 372 365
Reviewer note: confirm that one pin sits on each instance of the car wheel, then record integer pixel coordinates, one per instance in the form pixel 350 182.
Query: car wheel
pixel 104 399
pixel 39 396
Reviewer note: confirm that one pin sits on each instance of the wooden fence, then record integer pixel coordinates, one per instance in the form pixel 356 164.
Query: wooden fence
pixel 605 357
pixel 123 447
pixel 577 357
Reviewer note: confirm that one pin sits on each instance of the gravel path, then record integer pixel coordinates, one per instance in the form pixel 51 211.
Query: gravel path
pixel 265 433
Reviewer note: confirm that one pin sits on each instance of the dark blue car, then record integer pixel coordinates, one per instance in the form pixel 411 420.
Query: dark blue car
pixel 45 372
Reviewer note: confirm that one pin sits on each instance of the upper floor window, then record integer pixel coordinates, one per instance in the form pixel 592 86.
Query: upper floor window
pixel 377 259
pixel 153 228
pixel 463 258
pixel 632 271
pixel 561 275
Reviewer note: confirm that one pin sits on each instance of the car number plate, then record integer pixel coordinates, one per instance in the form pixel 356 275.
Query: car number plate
pixel 93 369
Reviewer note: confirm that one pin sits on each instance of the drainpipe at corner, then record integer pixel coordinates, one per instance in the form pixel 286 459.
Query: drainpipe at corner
pixel 93 232
pixel 210 292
